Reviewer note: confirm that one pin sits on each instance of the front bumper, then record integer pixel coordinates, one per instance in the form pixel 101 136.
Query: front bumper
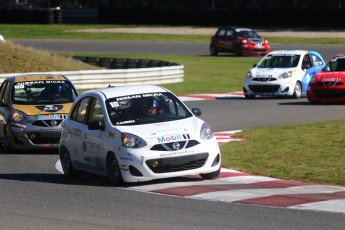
pixel 23 137
pixel 326 93
pixel 266 88
pixel 145 165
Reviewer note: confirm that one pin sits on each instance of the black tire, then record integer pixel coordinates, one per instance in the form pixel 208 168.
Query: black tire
pixel 6 145
pixel 212 175
pixel 297 92
pixel 213 50
pixel 66 162
pixel 238 51
pixel 247 96
pixel 113 170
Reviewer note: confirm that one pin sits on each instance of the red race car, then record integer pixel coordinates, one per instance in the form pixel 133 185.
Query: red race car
pixel 230 39
pixel 328 84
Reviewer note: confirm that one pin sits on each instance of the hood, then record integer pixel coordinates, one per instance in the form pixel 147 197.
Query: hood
pixel 325 74
pixel 165 132
pixel 32 110
pixel 270 72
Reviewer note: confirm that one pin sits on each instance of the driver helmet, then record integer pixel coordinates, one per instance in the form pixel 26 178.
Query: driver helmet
pixel 150 106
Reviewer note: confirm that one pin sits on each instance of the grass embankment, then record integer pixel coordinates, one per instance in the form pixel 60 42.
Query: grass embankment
pixel 312 152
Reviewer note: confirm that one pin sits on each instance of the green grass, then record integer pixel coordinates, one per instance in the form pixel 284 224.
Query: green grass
pixel 311 152
pixel 203 74
pixel 62 31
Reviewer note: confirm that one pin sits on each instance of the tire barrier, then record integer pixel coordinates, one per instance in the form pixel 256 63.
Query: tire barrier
pixel 124 63
pixel 34 15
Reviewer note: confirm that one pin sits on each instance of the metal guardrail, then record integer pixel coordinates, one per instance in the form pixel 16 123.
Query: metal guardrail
pixel 90 79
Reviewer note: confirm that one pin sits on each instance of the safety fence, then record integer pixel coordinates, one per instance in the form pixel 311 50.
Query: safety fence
pixel 89 79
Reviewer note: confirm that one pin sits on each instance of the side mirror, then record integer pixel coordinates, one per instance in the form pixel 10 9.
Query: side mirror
pixel 255 65
pixel 196 112
pixel 95 125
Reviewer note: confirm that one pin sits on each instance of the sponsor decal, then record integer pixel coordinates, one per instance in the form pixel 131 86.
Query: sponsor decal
pixel 113 104
pixel 77 132
pixel 21 85
pixel 175 137
pixel 52 117
pixel 49 108
pixel 125 122
pixel 176 153
pixel 332 79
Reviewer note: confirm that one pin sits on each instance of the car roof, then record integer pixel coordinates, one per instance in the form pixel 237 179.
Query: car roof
pixel 119 91
pixel 238 28
pixel 38 77
pixel 277 52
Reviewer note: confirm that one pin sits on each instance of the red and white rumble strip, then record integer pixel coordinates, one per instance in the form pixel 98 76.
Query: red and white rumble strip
pixel 237 187
pixel 211 96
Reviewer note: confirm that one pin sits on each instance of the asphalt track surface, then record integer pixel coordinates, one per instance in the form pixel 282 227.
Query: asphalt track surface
pixel 34 195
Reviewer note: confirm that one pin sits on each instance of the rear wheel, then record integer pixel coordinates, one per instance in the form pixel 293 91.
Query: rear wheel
pixel 212 175
pixel 113 170
pixel 213 50
pixel 297 90
pixel 66 162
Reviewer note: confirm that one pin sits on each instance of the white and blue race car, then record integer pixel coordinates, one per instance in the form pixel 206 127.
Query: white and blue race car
pixel 282 73
pixel 137 133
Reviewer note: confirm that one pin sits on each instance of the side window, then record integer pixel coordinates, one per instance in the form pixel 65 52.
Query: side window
pixel 96 113
pixel 221 32
pixel 316 60
pixel 306 62
pixel 79 111
pixel 229 33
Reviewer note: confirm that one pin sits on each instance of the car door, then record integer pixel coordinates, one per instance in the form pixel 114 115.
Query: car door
pixel 75 129
pixel 93 140
pixel 311 64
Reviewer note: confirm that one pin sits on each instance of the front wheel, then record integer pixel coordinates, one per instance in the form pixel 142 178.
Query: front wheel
pixel 212 175
pixel 297 90
pixel 113 170
pixel 6 144
pixel 238 51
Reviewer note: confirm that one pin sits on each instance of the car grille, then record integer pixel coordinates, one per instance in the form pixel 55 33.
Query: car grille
pixel 264 88
pixel 264 79
pixel 47 123
pixel 336 93
pixel 330 84
pixel 176 164
pixel 173 146
pixel 38 138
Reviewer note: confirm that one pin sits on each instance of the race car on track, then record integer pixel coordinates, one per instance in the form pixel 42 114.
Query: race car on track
pixel 329 84
pixel 32 108
pixel 282 73
pixel 136 133
pixel 238 40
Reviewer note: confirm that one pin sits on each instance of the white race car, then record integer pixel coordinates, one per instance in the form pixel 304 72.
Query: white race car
pixel 282 73
pixel 136 133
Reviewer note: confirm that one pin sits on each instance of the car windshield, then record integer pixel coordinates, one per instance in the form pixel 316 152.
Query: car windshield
pixel 336 64
pixel 247 33
pixel 43 92
pixel 279 61
pixel 146 109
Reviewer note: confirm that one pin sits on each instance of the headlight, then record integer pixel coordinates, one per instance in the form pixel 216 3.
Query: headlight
pixel 132 141
pixel 206 132
pixel 244 41
pixel 266 41
pixel 286 75
pixel 249 74
pixel 312 80
pixel 19 116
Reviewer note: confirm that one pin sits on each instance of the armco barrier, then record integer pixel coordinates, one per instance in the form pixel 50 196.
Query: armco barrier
pixel 89 79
